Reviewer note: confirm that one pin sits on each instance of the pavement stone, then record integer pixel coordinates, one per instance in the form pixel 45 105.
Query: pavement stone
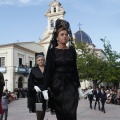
pixel 18 111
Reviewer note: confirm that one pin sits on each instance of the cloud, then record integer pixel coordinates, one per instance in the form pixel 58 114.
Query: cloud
pixel 22 2
pixel 25 1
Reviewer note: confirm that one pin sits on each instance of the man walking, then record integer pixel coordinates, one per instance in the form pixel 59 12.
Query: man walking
pixel 103 98
pixel 96 93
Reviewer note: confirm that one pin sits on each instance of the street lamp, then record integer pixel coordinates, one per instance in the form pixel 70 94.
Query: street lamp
pixel 6 83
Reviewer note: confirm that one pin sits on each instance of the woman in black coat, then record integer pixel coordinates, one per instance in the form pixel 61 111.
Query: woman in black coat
pixel 35 85
pixel 61 74
pixel 2 84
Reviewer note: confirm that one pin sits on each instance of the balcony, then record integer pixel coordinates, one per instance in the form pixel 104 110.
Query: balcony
pixel 22 69
pixel 28 70
pixel 3 69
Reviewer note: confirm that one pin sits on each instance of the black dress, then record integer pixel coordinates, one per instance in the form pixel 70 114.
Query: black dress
pixel 64 82
pixel 36 78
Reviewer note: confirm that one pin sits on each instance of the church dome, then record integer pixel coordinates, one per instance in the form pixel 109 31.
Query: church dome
pixel 81 36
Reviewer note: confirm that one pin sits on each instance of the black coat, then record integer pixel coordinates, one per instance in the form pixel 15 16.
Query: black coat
pixel 35 79
pixel 2 84
pixel 103 95
pixel 61 76
pixel 1 90
pixel 97 94
pixel 50 68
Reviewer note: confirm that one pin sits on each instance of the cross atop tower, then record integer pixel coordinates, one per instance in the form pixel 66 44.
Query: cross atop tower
pixel 79 26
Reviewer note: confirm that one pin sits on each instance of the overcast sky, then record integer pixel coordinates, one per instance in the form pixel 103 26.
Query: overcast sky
pixel 24 20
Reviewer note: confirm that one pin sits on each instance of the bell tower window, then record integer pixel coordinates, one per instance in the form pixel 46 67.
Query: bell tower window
pixel 54 9
pixel 52 23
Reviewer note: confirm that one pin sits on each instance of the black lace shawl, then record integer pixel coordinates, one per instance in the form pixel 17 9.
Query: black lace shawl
pixel 50 68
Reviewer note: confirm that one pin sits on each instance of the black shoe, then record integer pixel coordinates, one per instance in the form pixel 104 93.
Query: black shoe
pixel 95 107
pixel 91 107
pixel 104 110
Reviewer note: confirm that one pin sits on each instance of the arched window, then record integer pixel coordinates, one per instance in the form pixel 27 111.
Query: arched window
pixel 52 23
pixel 54 9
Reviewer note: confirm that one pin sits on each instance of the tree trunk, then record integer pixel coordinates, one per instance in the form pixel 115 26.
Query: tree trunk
pixel 94 83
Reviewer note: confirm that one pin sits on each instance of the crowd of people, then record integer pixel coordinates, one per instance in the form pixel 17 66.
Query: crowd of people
pixel 113 96
pixel 102 95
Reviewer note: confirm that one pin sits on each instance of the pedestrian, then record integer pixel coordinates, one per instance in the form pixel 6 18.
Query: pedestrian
pixel 4 106
pixel 2 84
pixel 96 93
pixel 35 85
pixel 89 94
pixel 61 74
pixel 103 98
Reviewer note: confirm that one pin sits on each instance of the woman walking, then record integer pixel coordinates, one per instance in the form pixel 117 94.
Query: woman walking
pixel 61 74
pixel 35 85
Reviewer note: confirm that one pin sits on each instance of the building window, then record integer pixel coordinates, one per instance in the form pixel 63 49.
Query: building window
pixel 20 61
pixel 30 63
pixel 2 61
pixel 54 9
pixel 52 23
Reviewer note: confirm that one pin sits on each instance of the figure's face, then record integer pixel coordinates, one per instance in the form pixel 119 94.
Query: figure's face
pixel 40 61
pixel 62 37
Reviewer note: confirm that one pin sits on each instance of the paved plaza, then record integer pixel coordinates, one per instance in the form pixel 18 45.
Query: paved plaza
pixel 18 111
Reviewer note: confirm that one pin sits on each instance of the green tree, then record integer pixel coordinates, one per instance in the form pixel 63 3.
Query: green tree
pixel 113 64
pixel 90 66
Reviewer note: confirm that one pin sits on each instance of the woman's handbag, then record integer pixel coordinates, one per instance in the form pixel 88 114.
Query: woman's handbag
pixel 39 104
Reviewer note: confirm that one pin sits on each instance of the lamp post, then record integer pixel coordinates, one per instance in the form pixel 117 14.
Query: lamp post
pixel 6 83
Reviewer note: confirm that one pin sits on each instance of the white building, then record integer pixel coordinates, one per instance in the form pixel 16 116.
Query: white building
pixel 16 60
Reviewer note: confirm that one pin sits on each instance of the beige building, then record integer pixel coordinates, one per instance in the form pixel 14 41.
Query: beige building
pixel 16 60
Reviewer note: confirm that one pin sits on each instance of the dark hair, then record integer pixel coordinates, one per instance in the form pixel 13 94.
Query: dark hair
pixel 2 79
pixel 61 29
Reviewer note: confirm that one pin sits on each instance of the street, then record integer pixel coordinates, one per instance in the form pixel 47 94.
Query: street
pixel 18 111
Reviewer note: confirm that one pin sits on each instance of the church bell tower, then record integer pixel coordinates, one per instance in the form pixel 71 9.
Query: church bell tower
pixel 55 11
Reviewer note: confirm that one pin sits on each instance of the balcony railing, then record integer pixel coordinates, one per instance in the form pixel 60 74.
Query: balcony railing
pixel 3 69
pixel 22 70
pixel 28 70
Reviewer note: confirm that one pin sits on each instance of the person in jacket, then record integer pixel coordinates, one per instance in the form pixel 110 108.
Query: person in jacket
pixel 96 93
pixel 4 106
pixel 35 85
pixel 2 84
pixel 89 94
pixel 61 74
pixel 103 98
